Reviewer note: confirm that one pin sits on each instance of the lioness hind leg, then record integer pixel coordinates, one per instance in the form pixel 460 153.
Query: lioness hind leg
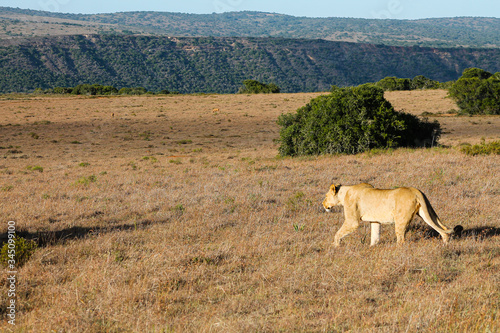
pixel 401 228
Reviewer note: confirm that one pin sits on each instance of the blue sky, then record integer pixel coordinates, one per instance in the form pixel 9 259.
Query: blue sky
pixel 395 9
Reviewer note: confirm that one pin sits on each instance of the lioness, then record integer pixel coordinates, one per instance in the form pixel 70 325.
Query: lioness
pixel 363 202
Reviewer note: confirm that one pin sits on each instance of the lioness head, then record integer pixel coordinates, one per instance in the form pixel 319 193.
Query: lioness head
pixel 332 198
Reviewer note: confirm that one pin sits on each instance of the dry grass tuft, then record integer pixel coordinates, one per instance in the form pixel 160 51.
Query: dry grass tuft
pixel 230 237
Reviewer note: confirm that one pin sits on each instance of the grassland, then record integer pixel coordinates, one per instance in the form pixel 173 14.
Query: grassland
pixel 16 25
pixel 159 214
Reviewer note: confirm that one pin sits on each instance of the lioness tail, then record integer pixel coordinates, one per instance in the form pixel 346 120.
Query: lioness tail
pixel 430 217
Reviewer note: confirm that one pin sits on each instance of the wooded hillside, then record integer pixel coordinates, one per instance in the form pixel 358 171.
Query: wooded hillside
pixel 436 32
pixel 220 65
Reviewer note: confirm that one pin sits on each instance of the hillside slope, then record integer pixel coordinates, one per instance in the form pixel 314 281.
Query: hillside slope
pixel 439 32
pixel 219 65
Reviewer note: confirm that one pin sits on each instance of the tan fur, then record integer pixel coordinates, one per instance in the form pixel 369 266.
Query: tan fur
pixel 363 202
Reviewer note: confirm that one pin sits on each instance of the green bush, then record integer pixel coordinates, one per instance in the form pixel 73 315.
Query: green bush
pixel 394 83
pixel 473 72
pixel 422 82
pixel 23 249
pixel 482 149
pixel 97 89
pixel 62 90
pixel 418 82
pixel 477 92
pixel 86 180
pixel 255 87
pixel 133 91
pixel 34 168
pixel 94 89
pixel 352 120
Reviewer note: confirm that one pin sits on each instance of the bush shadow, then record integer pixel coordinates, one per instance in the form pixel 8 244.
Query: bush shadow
pixel 47 238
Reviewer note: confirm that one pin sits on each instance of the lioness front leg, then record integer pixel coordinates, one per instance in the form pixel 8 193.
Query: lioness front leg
pixel 348 227
pixel 375 233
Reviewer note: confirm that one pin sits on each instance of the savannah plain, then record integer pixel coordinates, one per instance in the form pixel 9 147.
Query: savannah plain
pixel 175 214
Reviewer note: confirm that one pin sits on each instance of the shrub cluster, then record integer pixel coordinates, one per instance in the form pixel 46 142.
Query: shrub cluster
pixel 94 89
pixel 418 82
pixel 352 120
pixel 482 149
pixel 477 92
pixel 97 89
pixel 23 249
pixel 256 87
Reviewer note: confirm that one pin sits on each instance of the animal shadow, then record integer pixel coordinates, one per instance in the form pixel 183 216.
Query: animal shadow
pixel 459 232
pixel 480 232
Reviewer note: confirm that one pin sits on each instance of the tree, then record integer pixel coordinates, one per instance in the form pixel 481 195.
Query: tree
pixel 393 83
pixel 84 89
pixel 422 82
pixel 255 87
pixel 351 120
pixel 107 90
pixel 477 92
pixel 62 90
pixel 479 73
pixel 133 91
pixel 94 89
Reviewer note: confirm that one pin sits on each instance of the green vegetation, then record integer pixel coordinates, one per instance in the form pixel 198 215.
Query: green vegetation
pixel 178 208
pixel 97 89
pixel 217 65
pixel 418 82
pixel 393 83
pixel 133 91
pixel 86 180
pixel 34 135
pixel 146 135
pixel 34 168
pixel 477 92
pixel 437 32
pixel 152 159
pixel 482 149
pixel 22 251
pixel 352 120
pixel 256 87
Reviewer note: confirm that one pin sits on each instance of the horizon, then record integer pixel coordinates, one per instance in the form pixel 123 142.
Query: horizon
pixel 251 11
pixel 361 9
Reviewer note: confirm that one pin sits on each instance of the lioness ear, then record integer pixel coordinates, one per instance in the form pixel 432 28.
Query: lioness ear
pixel 335 188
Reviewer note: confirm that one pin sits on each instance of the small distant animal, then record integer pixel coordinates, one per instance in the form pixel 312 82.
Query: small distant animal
pixel 363 202
pixel 215 110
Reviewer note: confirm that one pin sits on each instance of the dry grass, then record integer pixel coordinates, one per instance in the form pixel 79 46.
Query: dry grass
pixel 21 26
pixel 456 130
pixel 166 216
